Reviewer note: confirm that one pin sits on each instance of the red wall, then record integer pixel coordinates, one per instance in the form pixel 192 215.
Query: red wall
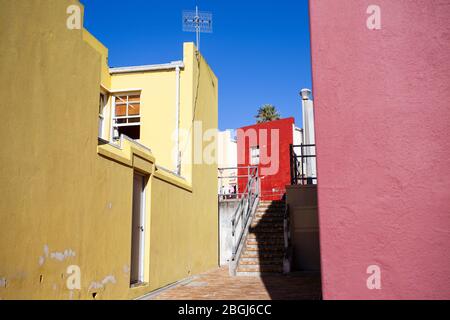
pixel 273 186
pixel 382 112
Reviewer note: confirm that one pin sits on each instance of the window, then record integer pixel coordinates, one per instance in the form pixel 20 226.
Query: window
pixel 254 156
pixel 101 116
pixel 127 116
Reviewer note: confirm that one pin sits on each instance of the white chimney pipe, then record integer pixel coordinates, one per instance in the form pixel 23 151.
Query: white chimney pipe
pixel 308 131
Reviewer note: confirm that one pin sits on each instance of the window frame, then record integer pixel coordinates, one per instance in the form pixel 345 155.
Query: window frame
pixel 254 156
pixel 103 102
pixel 114 125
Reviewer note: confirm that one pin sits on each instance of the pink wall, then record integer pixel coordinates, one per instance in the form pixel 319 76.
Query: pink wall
pixel 382 112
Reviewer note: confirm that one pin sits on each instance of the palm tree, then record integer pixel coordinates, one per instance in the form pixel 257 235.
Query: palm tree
pixel 267 113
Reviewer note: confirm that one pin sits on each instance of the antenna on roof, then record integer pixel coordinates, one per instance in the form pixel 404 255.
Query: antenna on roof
pixel 198 22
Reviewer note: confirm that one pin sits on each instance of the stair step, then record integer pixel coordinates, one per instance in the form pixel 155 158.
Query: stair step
pixel 271 204
pixel 268 269
pixel 268 218
pixel 269 213
pixel 267 224
pixel 270 209
pixel 264 249
pixel 256 255
pixel 266 229
pixel 267 209
pixel 278 262
pixel 265 235
pixel 258 242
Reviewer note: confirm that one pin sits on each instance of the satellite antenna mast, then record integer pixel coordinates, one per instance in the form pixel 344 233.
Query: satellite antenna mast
pixel 198 22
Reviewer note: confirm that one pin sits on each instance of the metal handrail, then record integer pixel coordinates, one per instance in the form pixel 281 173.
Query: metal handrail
pixel 244 211
pixel 238 167
pixel 231 178
pixel 287 240
pixel 246 192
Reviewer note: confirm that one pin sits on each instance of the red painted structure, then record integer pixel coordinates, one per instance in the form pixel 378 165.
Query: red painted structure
pixel 274 139
pixel 382 119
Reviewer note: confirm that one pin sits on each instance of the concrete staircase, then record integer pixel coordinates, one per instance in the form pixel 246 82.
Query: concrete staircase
pixel 264 247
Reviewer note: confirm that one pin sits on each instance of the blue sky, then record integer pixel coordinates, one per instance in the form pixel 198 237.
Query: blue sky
pixel 259 50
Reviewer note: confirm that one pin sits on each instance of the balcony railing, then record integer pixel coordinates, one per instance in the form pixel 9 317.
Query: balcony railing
pixel 303 164
pixel 229 181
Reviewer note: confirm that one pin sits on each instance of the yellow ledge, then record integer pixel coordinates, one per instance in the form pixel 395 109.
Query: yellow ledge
pixel 129 153
pixel 134 155
pixel 172 179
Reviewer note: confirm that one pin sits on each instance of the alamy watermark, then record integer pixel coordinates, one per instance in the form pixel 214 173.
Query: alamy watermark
pixel 374 280
pixel 74 279
pixel 74 21
pixel 205 146
pixel 374 20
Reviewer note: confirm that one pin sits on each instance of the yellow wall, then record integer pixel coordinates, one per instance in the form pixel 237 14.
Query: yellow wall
pixel 62 193
pixel 194 216
pixel 157 112
pixel 100 48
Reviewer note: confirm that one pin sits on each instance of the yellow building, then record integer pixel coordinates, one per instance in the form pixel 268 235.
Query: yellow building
pixel 78 197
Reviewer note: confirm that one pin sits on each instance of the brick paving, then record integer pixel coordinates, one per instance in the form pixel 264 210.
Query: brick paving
pixel 219 285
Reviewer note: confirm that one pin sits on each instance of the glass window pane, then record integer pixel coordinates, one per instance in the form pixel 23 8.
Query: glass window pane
pixel 134 109
pixel 121 99
pixel 135 98
pixel 121 110
pixel 134 120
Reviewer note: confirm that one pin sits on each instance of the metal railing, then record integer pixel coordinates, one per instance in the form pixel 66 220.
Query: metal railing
pixel 287 259
pixel 229 181
pixel 244 213
pixel 303 164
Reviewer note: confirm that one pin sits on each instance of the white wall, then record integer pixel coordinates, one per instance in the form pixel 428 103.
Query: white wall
pixel 227 157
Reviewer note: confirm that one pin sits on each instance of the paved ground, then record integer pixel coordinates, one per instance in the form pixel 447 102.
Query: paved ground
pixel 218 285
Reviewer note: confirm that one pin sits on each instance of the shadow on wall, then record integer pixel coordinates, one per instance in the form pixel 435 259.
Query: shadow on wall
pixel 265 252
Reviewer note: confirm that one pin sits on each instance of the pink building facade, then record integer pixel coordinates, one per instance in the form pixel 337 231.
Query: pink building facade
pixel 381 79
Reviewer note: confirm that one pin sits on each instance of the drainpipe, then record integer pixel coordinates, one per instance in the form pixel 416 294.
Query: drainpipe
pixel 177 124
pixel 177 65
pixel 308 131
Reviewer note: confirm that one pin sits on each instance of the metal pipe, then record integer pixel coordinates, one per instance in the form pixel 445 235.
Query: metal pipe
pixel 308 132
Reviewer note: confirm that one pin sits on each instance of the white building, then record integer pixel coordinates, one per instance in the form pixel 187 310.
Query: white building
pixel 227 162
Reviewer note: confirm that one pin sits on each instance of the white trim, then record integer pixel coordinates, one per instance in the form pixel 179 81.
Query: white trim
pixel 127 117
pixel 177 121
pixel 144 68
pixel 254 156
pixel 142 238
pixel 103 102
pixel 125 91
pixel 142 230
pixel 113 91
pixel 131 124
pixel 104 89
pixel 113 113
